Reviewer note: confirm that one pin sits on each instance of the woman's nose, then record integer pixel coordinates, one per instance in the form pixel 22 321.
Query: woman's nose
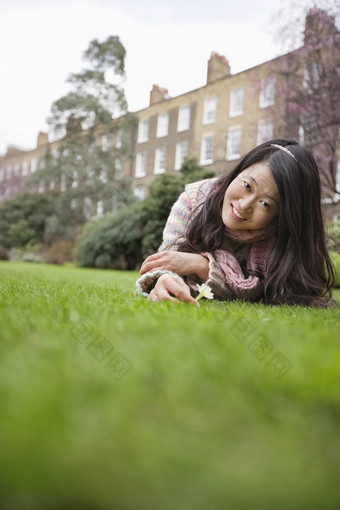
pixel 246 203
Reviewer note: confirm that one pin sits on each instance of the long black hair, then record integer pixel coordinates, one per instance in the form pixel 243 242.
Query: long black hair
pixel 299 268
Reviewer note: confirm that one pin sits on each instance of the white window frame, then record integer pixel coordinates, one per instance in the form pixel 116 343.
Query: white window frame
pixel 160 160
pixel 267 92
pixel 181 153
pixel 34 165
pixel 143 131
pixel 234 144
pixel 301 135
pixel 162 125
pixel 103 175
pixel 74 203
pixel 207 149
pixel 25 167
pixel 119 171
pixel 236 104
pixel 337 178
pixel 87 207
pixel 100 209
pixel 105 143
pixel 119 139
pixel 139 192
pixel 311 77
pixel 265 130
pixel 209 110
pixel 141 161
pixel 183 123
pixel 63 183
pixel 75 179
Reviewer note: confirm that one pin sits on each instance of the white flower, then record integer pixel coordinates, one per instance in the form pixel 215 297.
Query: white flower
pixel 204 291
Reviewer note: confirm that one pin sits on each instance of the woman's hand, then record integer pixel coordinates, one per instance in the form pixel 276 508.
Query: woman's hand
pixel 181 263
pixel 171 289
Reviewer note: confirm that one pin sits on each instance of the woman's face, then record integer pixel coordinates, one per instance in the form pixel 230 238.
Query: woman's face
pixel 251 201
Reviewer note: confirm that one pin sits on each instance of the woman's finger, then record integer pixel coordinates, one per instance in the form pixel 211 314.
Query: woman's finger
pixel 176 288
pixel 150 263
pixel 161 296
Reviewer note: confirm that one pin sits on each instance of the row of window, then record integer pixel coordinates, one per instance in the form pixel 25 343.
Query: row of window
pixel 266 98
pixel 30 167
pixel 103 177
pixel 92 208
pixel 26 168
pixel 264 132
pixel 17 170
pixel 160 159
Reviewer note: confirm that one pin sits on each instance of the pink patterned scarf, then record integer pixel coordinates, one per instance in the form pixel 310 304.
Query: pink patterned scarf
pixel 262 241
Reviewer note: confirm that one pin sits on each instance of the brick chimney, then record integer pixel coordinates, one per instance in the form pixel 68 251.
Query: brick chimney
pixel 318 23
pixel 218 67
pixel 42 139
pixel 157 94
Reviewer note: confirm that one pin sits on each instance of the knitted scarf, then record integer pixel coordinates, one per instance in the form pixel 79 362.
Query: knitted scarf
pixel 262 241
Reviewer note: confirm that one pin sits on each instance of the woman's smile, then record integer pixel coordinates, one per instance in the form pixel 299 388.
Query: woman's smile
pixel 236 214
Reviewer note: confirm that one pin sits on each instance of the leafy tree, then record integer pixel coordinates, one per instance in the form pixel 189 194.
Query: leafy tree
pixel 95 134
pixel 23 219
pixel 308 88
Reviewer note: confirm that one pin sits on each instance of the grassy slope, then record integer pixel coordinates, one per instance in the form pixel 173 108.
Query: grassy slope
pixel 111 402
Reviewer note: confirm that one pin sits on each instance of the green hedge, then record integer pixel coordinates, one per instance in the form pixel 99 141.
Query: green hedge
pixel 336 261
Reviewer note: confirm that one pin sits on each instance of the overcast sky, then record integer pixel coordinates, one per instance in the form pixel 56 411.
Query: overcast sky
pixel 167 42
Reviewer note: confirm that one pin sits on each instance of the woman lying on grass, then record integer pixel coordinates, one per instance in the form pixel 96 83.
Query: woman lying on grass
pixel 254 234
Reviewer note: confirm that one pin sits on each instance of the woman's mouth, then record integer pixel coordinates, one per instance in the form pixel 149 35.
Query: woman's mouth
pixel 236 214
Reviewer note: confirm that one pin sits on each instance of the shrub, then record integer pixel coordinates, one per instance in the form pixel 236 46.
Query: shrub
pixel 60 252
pixel 336 262
pixel 333 238
pixel 20 234
pixel 35 258
pixel 113 242
pixel 22 219
pixel 3 253
pixel 30 253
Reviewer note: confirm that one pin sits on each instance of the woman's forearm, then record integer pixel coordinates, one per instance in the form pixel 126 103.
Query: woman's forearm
pixel 201 267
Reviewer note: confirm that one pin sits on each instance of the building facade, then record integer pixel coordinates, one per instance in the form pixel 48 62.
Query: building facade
pixel 216 124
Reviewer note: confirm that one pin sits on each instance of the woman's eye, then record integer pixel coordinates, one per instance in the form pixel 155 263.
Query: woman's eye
pixel 265 204
pixel 247 185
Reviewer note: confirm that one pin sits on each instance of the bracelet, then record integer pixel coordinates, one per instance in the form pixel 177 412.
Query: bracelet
pixel 149 278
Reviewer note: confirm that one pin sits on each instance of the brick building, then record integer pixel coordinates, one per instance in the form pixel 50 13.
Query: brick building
pixel 216 124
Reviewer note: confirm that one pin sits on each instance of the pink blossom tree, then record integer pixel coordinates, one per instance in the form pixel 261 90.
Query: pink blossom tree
pixel 308 92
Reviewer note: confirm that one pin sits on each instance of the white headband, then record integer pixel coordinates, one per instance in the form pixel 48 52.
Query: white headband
pixel 284 149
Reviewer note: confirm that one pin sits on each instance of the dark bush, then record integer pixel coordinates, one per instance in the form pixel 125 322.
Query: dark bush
pixel 333 237
pixel 113 242
pixel 3 253
pixel 23 218
pixel 336 263
pixel 60 252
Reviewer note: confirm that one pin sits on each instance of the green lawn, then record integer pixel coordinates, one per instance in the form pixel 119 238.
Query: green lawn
pixel 110 402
